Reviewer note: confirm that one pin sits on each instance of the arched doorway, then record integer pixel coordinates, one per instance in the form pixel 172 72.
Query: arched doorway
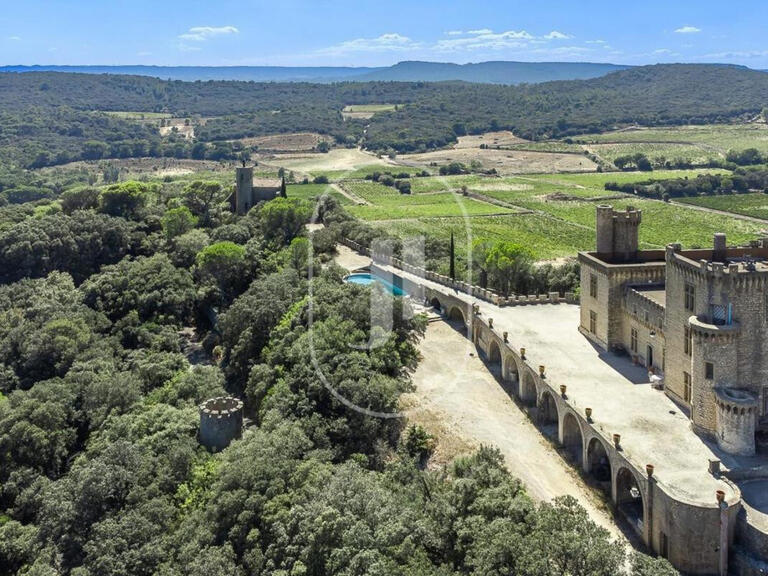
pixel 573 441
pixel 435 303
pixel 528 389
pixel 599 465
pixel 629 499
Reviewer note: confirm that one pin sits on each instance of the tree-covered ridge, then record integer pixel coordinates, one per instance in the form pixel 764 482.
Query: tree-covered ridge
pixel 428 115
pixel 100 468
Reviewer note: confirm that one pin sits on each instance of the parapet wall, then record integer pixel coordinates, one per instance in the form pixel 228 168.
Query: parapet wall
pixel 461 286
pixel 221 422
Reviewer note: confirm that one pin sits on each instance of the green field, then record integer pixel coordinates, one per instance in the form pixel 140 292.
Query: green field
pixel 548 238
pixel 658 153
pixel 557 211
pixel 692 143
pixel 386 203
pixel 755 205
pixel 314 191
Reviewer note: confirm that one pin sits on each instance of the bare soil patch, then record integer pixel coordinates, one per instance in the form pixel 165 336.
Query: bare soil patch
pixel 500 138
pixel 294 142
pixel 504 161
pixel 335 160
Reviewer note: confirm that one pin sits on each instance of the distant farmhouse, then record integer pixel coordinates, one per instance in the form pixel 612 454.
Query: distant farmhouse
pixel 249 192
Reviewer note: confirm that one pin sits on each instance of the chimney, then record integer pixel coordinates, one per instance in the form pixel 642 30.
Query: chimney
pixel 719 251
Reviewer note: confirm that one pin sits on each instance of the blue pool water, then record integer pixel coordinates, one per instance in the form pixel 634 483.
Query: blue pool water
pixel 366 279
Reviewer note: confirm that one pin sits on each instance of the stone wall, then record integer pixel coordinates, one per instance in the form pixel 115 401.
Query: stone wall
pixel 687 533
pixel 471 289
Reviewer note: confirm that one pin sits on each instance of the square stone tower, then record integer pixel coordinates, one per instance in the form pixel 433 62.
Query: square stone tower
pixel 243 189
pixel 617 233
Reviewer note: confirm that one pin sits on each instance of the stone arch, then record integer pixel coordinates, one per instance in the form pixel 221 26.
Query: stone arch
pixel 528 388
pixel 511 372
pixel 435 303
pixel 629 498
pixel 456 315
pixel 494 353
pixel 598 464
pixel 572 438
pixel 546 412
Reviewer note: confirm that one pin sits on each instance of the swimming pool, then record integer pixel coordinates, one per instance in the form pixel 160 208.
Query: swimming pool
pixel 366 278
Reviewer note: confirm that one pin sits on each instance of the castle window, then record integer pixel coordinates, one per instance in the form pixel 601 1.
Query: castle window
pixel 633 340
pixel 709 370
pixel 690 296
pixel 593 285
pixel 688 341
pixel 687 387
pixel 593 321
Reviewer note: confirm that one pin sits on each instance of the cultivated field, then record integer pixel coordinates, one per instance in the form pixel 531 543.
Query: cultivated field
pixel 753 205
pixel 295 142
pixel 552 214
pixel 692 143
pixel 500 138
pixel 504 161
pixel 336 163
pixel 365 111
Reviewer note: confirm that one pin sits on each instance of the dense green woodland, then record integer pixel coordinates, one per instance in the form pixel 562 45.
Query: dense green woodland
pixel 428 115
pixel 100 469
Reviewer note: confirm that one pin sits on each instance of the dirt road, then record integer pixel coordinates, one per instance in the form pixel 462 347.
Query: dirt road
pixel 458 395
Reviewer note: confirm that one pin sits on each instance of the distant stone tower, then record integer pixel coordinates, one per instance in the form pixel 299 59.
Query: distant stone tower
pixel 221 421
pixel 617 233
pixel 243 189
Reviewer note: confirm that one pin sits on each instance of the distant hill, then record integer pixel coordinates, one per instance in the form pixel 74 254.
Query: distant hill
pixel 318 74
pixel 491 72
pixel 483 72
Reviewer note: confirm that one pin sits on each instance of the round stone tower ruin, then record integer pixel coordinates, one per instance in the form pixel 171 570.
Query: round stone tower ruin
pixel 221 421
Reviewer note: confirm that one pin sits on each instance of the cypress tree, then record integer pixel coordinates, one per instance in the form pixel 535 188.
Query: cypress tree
pixel 453 260
pixel 283 193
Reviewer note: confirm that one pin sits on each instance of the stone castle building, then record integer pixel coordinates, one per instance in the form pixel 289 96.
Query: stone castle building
pixel 249 192
pixel 697 319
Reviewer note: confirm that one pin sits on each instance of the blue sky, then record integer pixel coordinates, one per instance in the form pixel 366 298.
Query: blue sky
pixel 367 33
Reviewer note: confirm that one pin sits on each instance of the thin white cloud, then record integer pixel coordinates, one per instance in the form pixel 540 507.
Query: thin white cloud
pixel 14 38
pixel 455 33
pixel 485 40
pixel 144 53
pixel 203 33
pixel 687 30
pixel 480 31
pixel 596 42
pixel 662 51
pixel 390 42
pixel 555 35
pixel 188 48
